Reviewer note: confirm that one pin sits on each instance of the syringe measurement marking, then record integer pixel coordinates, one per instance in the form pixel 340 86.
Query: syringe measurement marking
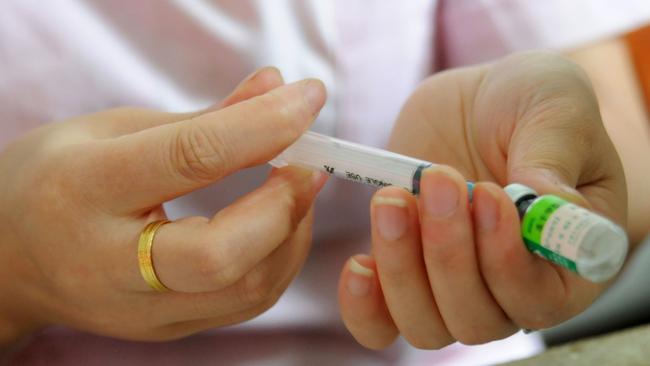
pixel 357 177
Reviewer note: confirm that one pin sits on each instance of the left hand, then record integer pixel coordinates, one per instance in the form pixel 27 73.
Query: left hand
pixel 76 195
pixel 442 270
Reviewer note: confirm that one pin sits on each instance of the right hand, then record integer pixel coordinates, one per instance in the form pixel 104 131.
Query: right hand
pixel 443 270
pixel 74 197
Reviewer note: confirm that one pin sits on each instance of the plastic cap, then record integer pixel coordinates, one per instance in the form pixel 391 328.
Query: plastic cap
pixel 516 191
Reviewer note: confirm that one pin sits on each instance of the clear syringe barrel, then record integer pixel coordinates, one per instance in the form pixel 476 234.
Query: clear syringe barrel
pixel 353 162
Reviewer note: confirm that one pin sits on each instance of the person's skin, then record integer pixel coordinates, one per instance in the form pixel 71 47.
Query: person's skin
pixel 440 281
pixel 626 119
pixel 76 195
pixel 442 270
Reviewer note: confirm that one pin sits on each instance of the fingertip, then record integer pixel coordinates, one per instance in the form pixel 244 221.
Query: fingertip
pixel 309 181
pixel 315 94
pixel 361 276
pixel 530 290
pixel 362 264
pixel 547 181
pixel 362 306
pixel 446 170
pixel 502 255
pixel 268 77
pixel 358 281
pixel 319 179
pixel 443 193
pixel 300 187
pixel 392 196
pixel 497 222
pixel 393 191
pixel 485 207
pixel 392 214
pixel 257 83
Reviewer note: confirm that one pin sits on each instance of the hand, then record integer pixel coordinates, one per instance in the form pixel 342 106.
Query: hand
pixel 442 270
pixel 76 195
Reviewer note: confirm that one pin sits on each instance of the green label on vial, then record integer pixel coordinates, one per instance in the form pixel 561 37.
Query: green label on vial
pixel 532 229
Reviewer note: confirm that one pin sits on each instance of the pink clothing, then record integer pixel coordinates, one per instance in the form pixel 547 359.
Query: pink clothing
pixel 61 59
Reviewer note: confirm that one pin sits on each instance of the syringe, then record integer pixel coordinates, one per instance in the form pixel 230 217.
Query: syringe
pixel 559 231
pixel 355 162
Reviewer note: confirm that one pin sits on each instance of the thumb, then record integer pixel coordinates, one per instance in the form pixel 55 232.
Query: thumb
pixel 544 116
pixel 155 165
pixel 570 156
pixel 548 161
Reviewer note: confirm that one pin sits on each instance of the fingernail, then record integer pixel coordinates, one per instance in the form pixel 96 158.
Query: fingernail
pixel 253 75
pixel 391 217
pixel 267 71
pixel 487 209
pixel 359 283
pixel 299 177
pixel 439 192
pixel 314 91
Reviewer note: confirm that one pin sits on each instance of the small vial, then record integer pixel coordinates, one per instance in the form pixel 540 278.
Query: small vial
pixel 569 235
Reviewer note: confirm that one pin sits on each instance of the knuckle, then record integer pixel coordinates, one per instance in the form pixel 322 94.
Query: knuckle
pixel 276 102
pixel 429 339
pixel 265 305
pixel 440 245
pixel 430 343
pixel 472 337
pixel 257 287
pixel 375 343
pixel 293 213
pixel 534 321
pixel 216 268
pixel 511 253
pixel 291 208
pixel 541 318
pixel 200 153
pixel 284 111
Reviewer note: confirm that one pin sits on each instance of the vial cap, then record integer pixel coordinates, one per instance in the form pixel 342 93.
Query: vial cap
pixel 517 191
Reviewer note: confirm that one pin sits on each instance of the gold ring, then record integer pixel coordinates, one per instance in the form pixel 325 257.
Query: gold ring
pixel 145 243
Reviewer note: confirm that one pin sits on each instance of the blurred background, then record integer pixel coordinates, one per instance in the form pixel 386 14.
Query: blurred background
pixel 627 303
pixel 185 54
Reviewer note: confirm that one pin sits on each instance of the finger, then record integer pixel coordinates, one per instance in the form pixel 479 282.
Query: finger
pixel 397 250
pixel 155 165
pixel 238 237
pixel 255 293
pixel 174 314
pixel 469 311
pixel 362 304
pixel 260 82
pixel 121 121
pixel 200 255
pixel 533 292
pixel 251 295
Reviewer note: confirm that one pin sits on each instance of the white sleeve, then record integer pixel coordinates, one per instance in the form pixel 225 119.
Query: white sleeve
pixel 477 30
pixel 563 24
